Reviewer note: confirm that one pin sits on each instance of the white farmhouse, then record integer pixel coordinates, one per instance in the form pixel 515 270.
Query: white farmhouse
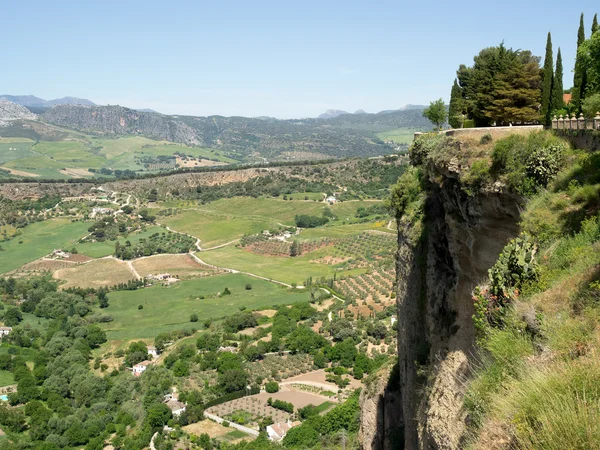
pixel 140 368
pixel 5 330
pixel 277 431
pixel 152 352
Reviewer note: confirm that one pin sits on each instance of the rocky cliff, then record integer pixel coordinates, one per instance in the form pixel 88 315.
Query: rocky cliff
pixel 440 259
pixel 12 111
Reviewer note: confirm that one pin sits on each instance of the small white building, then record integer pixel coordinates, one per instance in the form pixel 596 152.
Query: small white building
pixel 140 368
pixel 174 404
pixel 331 199
pixel 277 431
pixel 152 352
pixel 5 330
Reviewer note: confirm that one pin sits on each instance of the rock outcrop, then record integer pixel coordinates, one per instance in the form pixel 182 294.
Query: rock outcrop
pixel 439 262
pixel 12 111
pixel 120 121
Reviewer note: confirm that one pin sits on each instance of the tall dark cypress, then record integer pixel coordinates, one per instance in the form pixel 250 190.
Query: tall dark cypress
pixel 547 81
pixel 455 109
pixel 578 78
pixel 557 88
pixel 595 24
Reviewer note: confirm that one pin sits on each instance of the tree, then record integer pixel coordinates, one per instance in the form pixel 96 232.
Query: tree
pixel 136 353
pixel 591 105
pixel 12 316
pixel 158 415
pixel 194 318
pixel 588 57
pixel 547 84
pixel 271 387
pixel 102 298
pixel 579 80
pixel 436 113
pixel 294 249
pixel 595 24
pixel 233 380
pixel 500 83
pixel 557 88
pixel 516 92
pixel 455 110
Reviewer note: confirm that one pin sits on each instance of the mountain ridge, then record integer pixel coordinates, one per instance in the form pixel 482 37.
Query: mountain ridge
pixel 37 102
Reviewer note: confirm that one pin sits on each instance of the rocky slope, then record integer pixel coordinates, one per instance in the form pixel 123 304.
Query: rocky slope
pixel 12 111
pixel 120 121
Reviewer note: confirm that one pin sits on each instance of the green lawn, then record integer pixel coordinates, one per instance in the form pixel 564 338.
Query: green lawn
pixel 169 308
pixel 337 230
pixel 288 270
pixel 398 135
pixel 39 239
pixel 6 378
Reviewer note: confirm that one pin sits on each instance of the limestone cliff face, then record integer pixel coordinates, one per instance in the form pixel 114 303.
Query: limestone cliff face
pixel 381 411
pixel 461 239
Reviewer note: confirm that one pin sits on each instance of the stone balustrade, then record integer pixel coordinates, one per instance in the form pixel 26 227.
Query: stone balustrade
pixel 575 123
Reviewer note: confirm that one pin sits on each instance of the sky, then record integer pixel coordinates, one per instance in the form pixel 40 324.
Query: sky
pixel 285 59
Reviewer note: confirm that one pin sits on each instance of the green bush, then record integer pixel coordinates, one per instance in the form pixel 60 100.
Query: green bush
pixel 486 139
pixel 528 162
pixel 591 106
pixel 422 146
pixel 516 264
pixel 271 387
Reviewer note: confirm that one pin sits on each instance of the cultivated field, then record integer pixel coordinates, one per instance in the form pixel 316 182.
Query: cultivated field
pixel 216 431
pixel 39 239
pixel 97 273
pixel 182 266
pixel 167 308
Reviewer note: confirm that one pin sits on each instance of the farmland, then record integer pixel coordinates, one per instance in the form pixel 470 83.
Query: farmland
pixel 167 308
pixel 73 156
pixel 97 273
pixel 39 239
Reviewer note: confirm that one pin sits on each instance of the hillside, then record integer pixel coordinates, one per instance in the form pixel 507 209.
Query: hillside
pixel 37 102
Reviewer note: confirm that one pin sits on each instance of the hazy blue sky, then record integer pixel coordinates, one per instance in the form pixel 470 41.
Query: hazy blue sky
pixel 278 58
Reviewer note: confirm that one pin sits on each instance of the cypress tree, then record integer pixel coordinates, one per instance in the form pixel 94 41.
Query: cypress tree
pixel 547 82
pixel 557 89
pixel 578 78
pixel 455 109
pixel 595 24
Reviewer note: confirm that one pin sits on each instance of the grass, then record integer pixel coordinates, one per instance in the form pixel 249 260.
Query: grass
pixel 398 135
pixel 46 159
pixel 106 248
pixel 6 378
pixel 40 239
pixel 95 274
pixel 215 229
pixel 312 196
pixel 233 435
pixel 288 270
pixel 169 308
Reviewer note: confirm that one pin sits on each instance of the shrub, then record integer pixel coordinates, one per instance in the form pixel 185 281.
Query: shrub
pixel 515 265
pixel 248 286
pixel 271 387
pixel 194 318
pixel 140 306
pixel 486 139
pixel 591 105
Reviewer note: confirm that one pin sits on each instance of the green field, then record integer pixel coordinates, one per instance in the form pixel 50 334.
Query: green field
pixel 106 248
pixel 398 135
pixel 46 159
pixel 169 308
pixel 303 196
pixel 39 239
pixel 289 270
pixel 215 229
pixel 6 378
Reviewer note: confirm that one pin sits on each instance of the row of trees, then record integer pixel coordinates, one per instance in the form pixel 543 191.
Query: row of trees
pixel 505 86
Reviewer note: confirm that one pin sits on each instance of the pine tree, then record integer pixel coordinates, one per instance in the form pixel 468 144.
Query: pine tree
pixel 595 24
pixel 455 110
pixel 579 76
pixel 557 88
pixel 547 82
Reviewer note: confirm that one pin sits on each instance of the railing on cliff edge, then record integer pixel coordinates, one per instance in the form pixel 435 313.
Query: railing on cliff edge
pixel 574 123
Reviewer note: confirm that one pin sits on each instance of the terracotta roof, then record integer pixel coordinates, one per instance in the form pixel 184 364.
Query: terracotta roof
pixel 567 98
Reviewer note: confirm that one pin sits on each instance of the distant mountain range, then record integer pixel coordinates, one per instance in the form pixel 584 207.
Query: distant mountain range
pixel 36 102
pixel 333 113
